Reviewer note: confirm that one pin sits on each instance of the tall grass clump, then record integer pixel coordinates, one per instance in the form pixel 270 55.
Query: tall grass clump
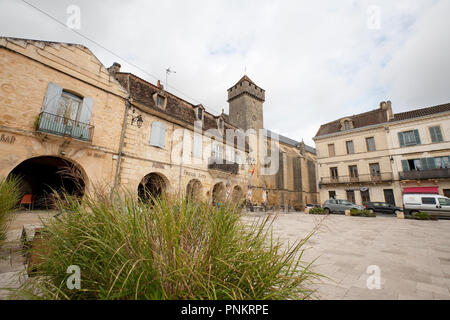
pixel 10 192
pixel 167 249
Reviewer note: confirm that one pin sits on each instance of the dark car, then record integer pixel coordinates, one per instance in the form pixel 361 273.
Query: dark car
pixel 383 207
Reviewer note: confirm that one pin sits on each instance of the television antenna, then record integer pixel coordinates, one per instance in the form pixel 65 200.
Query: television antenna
pixel 168 71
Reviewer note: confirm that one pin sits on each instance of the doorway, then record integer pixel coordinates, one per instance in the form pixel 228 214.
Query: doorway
pixel 389 196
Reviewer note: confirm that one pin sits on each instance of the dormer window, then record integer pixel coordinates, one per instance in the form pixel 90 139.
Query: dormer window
pixel 159 101
pixel 346 124
pixel 220 124
pixel 199 112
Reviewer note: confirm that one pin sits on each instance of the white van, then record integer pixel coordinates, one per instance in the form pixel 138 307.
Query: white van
pixel 432 204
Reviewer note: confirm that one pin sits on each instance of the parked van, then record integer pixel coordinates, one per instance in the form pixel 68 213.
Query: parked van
pixel 432 204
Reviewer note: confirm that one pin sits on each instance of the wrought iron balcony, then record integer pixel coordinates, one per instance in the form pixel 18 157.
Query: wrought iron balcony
pixel 222 165
pixel 52 123
pixel 362 178
pixel 441 173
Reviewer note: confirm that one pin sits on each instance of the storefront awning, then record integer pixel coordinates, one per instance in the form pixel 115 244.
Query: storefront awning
pixel 429 190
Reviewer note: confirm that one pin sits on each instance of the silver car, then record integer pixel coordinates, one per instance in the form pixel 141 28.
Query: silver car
pixel 339 206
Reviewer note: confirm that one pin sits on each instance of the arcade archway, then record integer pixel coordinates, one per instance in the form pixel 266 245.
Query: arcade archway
pixel 46 177
pixel 237 194
pixel 194 189
pixel 218 193
pixel 152 186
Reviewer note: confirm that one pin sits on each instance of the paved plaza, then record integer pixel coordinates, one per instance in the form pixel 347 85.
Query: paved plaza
pixel 413 256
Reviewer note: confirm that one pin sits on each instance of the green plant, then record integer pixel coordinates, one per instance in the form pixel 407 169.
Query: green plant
pixel 422 216
pixel 171 249
pixel 10 192
pixel 362 213
pixel 36 122
pixel 316 211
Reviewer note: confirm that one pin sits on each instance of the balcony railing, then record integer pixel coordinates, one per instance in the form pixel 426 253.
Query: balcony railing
pixel 441 173
pixel 222 165
pixel 52 123
pixel 380 177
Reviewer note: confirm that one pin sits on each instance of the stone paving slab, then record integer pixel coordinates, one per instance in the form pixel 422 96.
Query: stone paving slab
pixel 413 256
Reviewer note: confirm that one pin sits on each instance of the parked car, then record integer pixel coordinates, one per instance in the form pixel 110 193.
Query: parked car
pixel 339 206
pixel 433 204
pixel 383 207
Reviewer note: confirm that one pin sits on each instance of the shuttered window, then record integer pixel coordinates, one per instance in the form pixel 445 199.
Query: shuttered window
pixel 436 134
pixel 158 134
pixel 350 148
pixel 409 138
pixel 370 143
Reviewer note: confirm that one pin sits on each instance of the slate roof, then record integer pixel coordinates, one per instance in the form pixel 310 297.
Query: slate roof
pixel 289 141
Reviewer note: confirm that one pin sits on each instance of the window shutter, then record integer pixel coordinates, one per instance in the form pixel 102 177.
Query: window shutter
pixel 416 134
pixel 439 134
pixel 154 134
pixel 86 110
pixel 162 135
pixel 436 134
pixel 401 139
pixel 52 98
pixel 431 163
pixel 405 165
pixel 424 164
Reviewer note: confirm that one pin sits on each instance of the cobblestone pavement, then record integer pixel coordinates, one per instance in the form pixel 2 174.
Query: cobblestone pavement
pixel 12 261
pixel 413 256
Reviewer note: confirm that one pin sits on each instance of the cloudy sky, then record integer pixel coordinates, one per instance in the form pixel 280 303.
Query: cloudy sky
pixel 317 60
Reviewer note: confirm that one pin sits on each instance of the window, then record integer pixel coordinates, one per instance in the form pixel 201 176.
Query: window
pixel 444 202
pixel 69 106
pixel 158 134
pixel 409 138
pixel 60 107
pixel 374 169
pixel 365 197
pixel 436 134
pixel 370 143
pixel 426 200
pixel 199 113
pixel 217 150
pixel 353 171
pixel 426 163
pixel 347 125
pixel 159 101
pixel 350 148
pixel 334 172
pixel 332 194
pixel 331 151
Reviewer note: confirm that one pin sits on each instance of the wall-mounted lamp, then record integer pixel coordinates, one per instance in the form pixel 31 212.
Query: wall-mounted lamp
pixel 138 119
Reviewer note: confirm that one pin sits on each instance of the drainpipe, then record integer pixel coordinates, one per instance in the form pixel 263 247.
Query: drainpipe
pixel 124 127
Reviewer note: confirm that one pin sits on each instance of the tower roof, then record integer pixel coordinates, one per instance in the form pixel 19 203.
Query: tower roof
pixel 243 79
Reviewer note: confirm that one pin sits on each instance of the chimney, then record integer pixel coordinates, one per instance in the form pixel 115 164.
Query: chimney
pixel 388 107
pixel 114 68
pixel 159 85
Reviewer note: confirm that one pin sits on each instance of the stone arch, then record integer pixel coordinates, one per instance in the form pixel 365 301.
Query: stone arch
pixel 194 190
pixel 237 194
pixel 43 176
pixel 218 193
pixel 153 185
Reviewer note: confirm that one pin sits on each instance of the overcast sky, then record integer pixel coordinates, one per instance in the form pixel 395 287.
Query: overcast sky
pixel 317 60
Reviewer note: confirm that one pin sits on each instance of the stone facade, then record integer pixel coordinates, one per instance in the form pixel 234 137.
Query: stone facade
pixel 60 105
pixel 362 161
pixel 27 68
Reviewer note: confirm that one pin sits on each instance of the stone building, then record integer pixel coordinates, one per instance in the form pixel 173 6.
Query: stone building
pixel 294 183
pixel 59 107
pixel 379 155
